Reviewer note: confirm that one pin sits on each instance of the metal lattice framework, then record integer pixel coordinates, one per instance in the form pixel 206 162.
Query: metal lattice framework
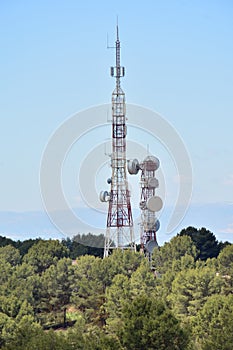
pixel 148 190
pixel 149 202
pixel 119 232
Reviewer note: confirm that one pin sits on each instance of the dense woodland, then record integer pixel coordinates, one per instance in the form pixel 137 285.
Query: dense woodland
pixel 63 295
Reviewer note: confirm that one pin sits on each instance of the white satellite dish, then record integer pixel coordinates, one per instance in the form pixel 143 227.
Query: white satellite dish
pixel 151 163
pixel 104 196
pixel 133 166
pixel 154 203
pixel 153 182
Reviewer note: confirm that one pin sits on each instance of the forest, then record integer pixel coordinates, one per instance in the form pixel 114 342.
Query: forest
pixel 64 295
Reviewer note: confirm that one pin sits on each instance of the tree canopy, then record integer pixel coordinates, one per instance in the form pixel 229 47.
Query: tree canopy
pixel 63 295
pixel 204 240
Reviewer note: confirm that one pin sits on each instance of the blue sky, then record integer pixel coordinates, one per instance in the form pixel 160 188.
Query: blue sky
pixel 178 57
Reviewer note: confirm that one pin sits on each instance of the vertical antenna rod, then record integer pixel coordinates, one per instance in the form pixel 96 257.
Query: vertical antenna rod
pixel 118 71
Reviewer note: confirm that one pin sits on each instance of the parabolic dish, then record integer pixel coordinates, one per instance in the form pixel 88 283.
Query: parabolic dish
pixel 154 203
pixel 151 245
pixel 151 163
pixel 153 182
pixel 157 225
pixel 133 166
pixel 104 196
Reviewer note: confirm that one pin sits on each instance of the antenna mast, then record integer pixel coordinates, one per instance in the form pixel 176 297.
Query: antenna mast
pixel 119 231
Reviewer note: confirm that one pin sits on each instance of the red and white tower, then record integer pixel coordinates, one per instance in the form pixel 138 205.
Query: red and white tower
pixel 149 202
pixel 119 232
pixel 149 205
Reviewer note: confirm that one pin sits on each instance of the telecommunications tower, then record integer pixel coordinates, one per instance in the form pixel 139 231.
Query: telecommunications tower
pixel 149 204
pixel 119 231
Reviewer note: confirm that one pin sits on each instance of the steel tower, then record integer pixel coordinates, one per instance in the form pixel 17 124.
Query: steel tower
pixel 119 231
pixel 149 202
pixel 149 205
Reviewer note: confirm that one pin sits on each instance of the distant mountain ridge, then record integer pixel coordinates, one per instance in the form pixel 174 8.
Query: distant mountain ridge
pixel 31 224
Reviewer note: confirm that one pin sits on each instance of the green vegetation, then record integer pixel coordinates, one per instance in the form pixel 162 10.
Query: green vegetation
pixel 63 295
